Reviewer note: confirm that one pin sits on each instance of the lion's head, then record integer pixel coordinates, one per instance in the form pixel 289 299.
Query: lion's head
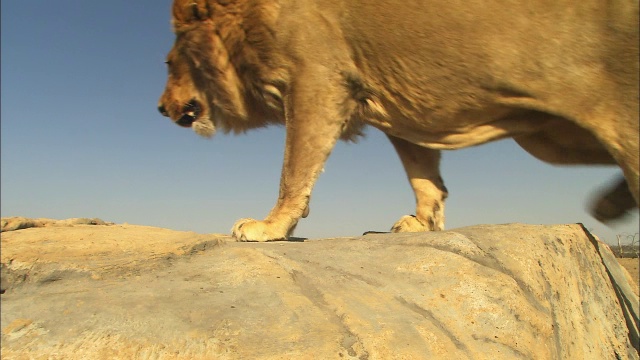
pixel 203 90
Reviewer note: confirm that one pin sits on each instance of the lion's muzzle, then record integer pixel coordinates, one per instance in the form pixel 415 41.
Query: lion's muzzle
pixel 190 113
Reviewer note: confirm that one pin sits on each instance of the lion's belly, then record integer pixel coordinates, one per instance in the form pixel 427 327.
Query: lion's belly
pixel 459 129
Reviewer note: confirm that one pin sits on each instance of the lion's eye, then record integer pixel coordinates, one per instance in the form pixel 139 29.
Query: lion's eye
pixel 168 62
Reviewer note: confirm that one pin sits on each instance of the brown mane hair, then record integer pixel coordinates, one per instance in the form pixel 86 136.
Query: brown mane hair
pixel 229 45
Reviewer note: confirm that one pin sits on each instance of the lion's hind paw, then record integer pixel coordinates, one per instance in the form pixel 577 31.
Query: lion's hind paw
pixel 411 223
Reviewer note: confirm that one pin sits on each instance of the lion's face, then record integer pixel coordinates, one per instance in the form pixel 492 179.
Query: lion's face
pixel 202 89
pixel 184 100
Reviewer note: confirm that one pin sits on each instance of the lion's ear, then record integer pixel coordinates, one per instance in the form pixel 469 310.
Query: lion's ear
pixel 189 11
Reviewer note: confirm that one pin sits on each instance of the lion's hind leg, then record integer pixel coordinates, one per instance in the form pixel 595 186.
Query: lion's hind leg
pixel 614 202
pixel 423 170
pixel 564 143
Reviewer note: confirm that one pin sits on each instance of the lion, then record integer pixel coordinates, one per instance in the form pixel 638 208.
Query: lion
pixel 559 77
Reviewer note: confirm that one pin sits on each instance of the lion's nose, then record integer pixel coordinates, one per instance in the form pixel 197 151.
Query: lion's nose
pixel 162 110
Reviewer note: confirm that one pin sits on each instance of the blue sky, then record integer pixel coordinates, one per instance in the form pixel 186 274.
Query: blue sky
pixel 81 137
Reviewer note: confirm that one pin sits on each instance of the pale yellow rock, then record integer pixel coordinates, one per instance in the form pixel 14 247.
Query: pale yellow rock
pixel 484 292
pixel 19 223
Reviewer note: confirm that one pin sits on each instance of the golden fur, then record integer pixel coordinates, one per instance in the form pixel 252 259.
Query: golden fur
pixel 560 77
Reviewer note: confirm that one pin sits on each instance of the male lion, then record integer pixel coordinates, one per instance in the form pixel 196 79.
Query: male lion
pixel 560 77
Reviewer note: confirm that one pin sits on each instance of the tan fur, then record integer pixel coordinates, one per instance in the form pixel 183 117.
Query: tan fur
pixel 561 77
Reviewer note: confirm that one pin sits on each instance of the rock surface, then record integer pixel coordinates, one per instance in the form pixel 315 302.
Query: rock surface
pixel 19 222
pixel 633 267
pixel 485 292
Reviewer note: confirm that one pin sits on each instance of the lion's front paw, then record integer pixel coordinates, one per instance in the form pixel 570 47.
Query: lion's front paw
pixel 411 223
pixel 254 230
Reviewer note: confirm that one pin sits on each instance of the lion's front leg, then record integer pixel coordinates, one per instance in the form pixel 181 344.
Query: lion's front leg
pixel 423 170
pixel 314 121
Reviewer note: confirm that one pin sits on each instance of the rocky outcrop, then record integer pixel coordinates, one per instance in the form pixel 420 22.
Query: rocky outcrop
pixel 484 292
pixel 19 222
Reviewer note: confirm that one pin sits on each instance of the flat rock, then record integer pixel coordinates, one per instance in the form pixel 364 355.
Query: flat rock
pixel 19 222
pixel 484 292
